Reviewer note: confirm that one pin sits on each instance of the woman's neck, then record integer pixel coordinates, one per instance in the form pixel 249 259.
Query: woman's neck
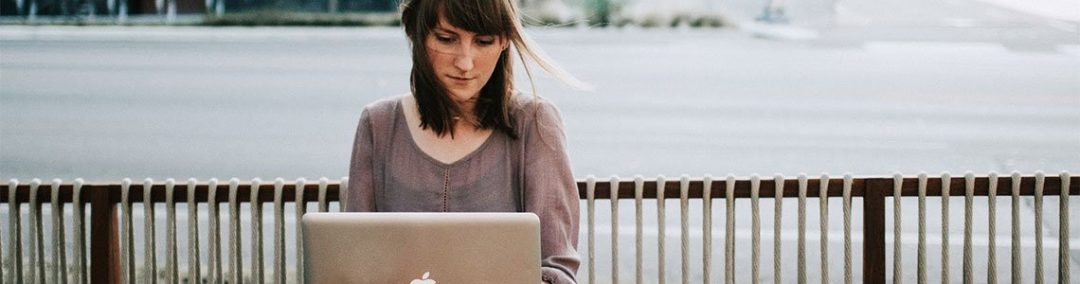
pixel 467 122
pixel 467 118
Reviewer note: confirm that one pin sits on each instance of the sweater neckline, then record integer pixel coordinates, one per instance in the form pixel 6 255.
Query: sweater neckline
pixel 412 141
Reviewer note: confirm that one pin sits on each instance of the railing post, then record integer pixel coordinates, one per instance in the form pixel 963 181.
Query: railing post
pixel 874 230
pixel 104 260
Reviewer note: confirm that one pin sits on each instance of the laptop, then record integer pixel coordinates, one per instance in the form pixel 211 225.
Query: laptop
pixel 421 248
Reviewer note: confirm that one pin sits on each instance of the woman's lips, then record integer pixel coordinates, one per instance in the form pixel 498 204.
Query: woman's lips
pixel 460 80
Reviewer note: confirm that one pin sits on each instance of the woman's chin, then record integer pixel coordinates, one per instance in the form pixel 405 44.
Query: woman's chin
pixel 461 96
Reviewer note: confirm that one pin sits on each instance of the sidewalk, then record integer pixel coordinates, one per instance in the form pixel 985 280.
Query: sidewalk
pixel 1063 10
pixel 855 21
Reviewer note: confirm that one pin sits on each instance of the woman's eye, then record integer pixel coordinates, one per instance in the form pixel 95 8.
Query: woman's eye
pixel 485 41
pixel 444 39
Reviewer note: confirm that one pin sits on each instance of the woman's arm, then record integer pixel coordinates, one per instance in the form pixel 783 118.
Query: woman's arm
pixel 360 196
pixel 551 193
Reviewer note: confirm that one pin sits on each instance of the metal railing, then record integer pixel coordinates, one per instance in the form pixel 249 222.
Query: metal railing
pixel 111 256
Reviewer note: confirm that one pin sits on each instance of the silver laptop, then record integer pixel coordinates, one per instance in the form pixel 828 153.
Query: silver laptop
pixel 421 248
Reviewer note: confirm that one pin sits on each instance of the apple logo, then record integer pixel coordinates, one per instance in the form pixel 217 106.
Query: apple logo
pixel 423 280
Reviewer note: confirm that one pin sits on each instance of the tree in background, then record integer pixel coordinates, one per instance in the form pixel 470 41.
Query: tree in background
pixel 594 12
pixel 601 15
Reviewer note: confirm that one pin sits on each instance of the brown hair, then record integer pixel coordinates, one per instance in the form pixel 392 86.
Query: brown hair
pixel 486 17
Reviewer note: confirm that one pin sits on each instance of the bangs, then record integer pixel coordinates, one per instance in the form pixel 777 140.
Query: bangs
pixel 484 17
pixel 481 17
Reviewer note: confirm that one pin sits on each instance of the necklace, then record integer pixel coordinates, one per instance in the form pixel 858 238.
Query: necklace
pixel 472 122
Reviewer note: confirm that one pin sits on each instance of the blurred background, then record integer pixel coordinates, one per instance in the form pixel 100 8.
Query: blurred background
pixel 107 89
pixel 682 87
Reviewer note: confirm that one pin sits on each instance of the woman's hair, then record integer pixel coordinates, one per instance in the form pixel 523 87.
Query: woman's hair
pixel 485 17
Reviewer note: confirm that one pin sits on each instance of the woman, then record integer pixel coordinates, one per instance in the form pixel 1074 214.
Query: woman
pixel 464 139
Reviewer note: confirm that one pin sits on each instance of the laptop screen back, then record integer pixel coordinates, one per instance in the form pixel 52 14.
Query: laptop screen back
pixel 421 248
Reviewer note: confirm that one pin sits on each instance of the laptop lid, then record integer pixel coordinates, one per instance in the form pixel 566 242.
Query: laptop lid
pixel 421 248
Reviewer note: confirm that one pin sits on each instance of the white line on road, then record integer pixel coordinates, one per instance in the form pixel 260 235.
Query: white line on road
pixel 934 47
pixel 1063 25
pixel 1069 49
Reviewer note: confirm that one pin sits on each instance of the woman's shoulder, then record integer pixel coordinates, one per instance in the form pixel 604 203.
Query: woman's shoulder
pixel 383 108
pixel 538 119
pixel 530 106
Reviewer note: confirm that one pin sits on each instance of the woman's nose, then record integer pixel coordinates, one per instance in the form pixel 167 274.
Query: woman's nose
pixel 464 60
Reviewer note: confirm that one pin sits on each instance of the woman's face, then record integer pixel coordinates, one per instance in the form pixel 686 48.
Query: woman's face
pixel 463 61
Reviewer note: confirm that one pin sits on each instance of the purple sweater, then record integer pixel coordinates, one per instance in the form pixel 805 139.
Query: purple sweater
pixel 390 173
